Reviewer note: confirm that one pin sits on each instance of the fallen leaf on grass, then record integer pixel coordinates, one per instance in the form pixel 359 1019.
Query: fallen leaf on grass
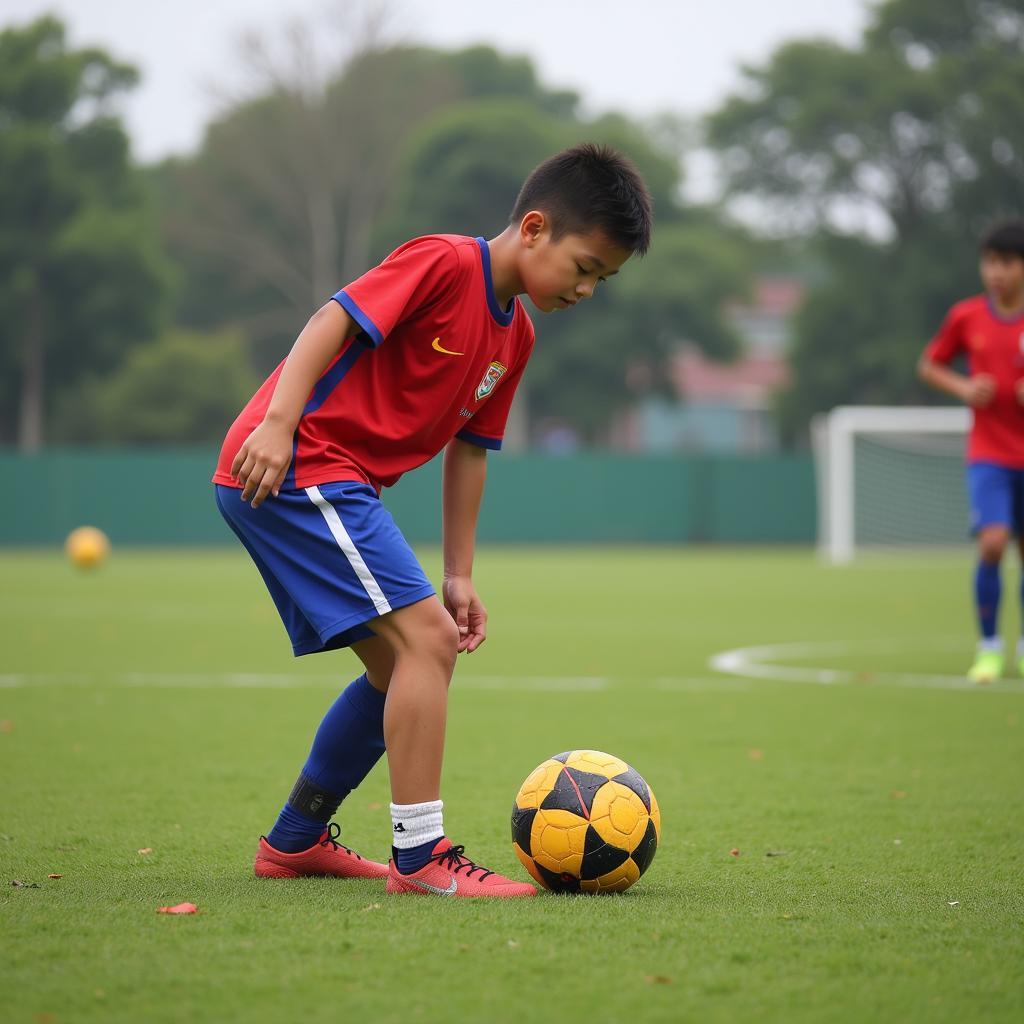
pixel 6 725
pixel 19 884
pixel 755 754
pixel 54 876
pixel 898 794
pixel 375 806
pixel 179 908
pixel 734 852
pixel 145 850
pixel 657 979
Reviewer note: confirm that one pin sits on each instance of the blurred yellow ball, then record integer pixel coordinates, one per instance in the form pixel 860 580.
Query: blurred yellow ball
pixel 87 546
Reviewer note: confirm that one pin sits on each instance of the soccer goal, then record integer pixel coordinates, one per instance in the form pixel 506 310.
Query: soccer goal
pixel 890 477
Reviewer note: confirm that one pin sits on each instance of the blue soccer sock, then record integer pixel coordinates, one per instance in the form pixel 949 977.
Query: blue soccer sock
pixel 987 591
pixel 347 745
pixel 413 858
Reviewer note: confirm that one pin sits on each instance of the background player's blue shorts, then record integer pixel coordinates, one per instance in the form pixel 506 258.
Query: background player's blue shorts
pixel 997 496
pixel 332 558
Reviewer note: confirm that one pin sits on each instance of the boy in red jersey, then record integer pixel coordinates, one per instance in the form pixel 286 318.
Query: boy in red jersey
pixel 989 330
pixel 421 353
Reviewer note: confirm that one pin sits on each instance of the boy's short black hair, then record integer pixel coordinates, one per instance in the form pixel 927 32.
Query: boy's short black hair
pixel 588 188
pixel 1006 238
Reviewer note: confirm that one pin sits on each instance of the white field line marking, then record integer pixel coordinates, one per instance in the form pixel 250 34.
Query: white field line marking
pixel 265 680
pixel 700 684
pixel 761 663
pixel 276 681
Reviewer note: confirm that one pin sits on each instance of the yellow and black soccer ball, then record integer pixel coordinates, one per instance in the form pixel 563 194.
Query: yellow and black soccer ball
pixel 584 821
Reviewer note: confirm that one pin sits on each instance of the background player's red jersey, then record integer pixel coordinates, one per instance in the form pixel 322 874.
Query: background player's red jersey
pixel 436 358
pixel 993 345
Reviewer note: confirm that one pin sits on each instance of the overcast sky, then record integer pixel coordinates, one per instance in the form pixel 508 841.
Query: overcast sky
pixel 640 56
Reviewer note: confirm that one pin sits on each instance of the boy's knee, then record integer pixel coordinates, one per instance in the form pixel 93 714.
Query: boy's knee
pixel 992 543
pixel 445 639
pixel 426 630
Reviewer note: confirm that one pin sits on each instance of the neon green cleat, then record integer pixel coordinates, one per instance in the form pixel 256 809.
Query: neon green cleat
pixel 987 667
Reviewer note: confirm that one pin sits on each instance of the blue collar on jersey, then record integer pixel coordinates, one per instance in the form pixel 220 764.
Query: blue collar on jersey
pixel 502 316
pixel 996 315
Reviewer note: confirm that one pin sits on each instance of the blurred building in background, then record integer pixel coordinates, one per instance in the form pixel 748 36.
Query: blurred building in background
pixel 724 407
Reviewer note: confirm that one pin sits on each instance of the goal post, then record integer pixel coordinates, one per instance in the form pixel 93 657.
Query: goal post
pixel 890 477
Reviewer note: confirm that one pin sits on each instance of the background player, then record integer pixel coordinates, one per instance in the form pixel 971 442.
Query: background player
pixel 423 352
pixel 989 330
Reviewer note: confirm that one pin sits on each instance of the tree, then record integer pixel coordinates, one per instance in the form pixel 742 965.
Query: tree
pixel 183 388
pixel 81 275
pixel 282 204
pixel 890 157
pixel 277 209
pixel 404 141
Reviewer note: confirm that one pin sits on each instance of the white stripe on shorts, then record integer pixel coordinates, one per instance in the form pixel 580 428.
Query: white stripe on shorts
pixel 340 534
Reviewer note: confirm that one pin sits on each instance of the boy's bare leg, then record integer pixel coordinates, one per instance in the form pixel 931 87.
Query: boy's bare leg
pixel 424 640
pixel 378 659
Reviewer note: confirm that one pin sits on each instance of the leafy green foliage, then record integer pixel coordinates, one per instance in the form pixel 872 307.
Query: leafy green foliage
pixel 910 141
pixel 81 275
pixel 293 194
pixel 183 388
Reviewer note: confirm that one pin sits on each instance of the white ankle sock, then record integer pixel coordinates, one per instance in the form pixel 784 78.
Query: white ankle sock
pixel 416 824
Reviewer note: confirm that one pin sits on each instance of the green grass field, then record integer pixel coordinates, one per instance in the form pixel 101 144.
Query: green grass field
pixel 876 801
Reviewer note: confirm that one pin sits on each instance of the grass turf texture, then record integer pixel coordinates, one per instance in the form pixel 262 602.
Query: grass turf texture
pixel 153 703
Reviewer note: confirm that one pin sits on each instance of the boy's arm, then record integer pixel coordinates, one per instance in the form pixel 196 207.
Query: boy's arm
pixel 978 390
pixel 263 460
pixel 465 470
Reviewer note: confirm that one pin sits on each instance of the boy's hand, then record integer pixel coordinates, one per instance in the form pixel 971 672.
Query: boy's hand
pixel 980 390
pixel 468 611
pixel 262 462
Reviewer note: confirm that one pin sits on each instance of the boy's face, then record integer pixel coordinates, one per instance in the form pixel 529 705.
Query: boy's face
pixel 557 274
pixel 1002 274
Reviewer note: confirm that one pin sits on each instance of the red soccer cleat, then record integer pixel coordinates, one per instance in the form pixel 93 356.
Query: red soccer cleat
pixel 448 873
pixel 328 858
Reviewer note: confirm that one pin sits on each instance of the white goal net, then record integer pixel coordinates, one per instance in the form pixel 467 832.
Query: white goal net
pixel 890 477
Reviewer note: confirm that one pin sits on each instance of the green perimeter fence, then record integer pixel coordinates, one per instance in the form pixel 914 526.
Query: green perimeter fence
pixel 156 496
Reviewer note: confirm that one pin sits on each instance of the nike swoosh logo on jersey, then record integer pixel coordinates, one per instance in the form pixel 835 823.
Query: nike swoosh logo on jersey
pixel 437 347
pixel 450 891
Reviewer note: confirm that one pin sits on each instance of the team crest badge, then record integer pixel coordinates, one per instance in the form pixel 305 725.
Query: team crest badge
pixel 491 377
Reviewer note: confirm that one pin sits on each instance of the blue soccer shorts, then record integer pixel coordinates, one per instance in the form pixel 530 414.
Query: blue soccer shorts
pixel 332 558
pixel 996 495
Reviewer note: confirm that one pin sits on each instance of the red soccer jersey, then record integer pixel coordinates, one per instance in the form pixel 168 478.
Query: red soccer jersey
pixel 993 345
pixel 435 358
